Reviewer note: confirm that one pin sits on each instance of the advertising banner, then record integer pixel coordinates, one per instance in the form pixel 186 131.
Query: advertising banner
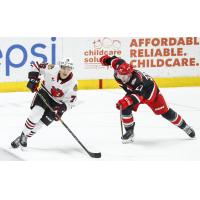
pixel 159 57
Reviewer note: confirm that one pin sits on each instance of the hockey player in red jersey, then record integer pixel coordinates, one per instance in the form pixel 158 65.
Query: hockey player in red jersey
pixel 140 88
pixel 59 89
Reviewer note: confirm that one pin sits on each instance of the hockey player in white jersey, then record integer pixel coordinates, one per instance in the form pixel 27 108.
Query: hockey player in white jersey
pixel 59 88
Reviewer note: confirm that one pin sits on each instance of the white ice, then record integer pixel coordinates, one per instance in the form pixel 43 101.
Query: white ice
pixel 95 121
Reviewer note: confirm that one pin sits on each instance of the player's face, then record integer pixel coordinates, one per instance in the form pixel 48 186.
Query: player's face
pixel 124 78
pixel 65 71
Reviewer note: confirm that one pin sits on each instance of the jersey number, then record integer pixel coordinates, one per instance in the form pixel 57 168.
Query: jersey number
pixel 72 99
pixel 139 88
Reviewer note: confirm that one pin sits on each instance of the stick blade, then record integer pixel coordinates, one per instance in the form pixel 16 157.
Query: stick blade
pixel 95 155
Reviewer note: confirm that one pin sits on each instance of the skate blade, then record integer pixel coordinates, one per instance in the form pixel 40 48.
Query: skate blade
pixel 128 141
pixel 23 148
pixel 14 146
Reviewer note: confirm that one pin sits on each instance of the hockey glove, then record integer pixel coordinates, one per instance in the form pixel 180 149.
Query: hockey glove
pixel 105 60
pixel 38 65
pixel 34 81
pixel 59 110
pixel 124 103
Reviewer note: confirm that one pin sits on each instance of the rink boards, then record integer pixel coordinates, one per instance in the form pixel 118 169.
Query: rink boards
pixel 107 84
pixel 172 61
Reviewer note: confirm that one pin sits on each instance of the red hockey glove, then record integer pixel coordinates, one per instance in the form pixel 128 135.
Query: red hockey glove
pixel 124 103
pixel 104 60
pixel 59 110
pixel 56 92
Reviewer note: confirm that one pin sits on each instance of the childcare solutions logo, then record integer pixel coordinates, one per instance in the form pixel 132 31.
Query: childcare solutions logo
pixel 17 55
pixel 100 47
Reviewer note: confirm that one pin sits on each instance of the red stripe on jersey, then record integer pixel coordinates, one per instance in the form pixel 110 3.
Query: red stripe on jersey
pixel 177 121
pixel 138 97
pixel 139 75
pixel 153 93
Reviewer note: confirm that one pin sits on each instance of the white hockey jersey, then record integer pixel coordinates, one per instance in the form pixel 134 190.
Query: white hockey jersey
pixel 68 87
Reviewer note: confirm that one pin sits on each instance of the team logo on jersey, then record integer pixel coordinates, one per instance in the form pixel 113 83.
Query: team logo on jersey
pixel 56 92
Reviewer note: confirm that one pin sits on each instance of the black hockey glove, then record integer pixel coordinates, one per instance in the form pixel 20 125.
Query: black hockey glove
pixel 34 81
pixel 59 110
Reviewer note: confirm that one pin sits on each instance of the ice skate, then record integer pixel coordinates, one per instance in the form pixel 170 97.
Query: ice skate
pixel 128 136
pixel 15 144
pixel 190 131
pixel 23 140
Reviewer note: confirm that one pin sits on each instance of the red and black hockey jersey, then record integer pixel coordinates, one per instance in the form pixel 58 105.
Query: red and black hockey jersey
pixel 140 87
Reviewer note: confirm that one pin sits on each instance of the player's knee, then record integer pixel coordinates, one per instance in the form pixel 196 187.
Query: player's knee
pixel 36 114
pixel 170 115
pixel 38 126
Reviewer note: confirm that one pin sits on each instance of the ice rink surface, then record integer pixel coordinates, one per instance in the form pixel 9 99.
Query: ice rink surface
pixel 95 121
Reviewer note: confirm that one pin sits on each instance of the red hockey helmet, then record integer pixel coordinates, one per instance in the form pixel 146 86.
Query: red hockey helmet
pixel 125 69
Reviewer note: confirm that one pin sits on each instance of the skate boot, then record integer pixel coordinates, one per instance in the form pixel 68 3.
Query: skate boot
pixel 15 144
pixel 23 140
pixel 189 131
pixel 128 136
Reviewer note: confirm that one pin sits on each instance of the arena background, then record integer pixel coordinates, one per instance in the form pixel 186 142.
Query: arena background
pixel 172 61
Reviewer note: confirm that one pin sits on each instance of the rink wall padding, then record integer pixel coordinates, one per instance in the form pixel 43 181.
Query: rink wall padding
pixel 107 84
pixel 162 82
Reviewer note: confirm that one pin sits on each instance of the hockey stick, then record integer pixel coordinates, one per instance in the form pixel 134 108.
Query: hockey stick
pixel 93 155
pixel 122 132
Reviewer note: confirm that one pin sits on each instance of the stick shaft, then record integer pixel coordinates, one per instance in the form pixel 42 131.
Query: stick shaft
pixel 122 132
pixel 44 100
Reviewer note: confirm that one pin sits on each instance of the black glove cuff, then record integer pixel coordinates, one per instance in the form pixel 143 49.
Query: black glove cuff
pixel 109 60
pixel 31 85
pixel 33 75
